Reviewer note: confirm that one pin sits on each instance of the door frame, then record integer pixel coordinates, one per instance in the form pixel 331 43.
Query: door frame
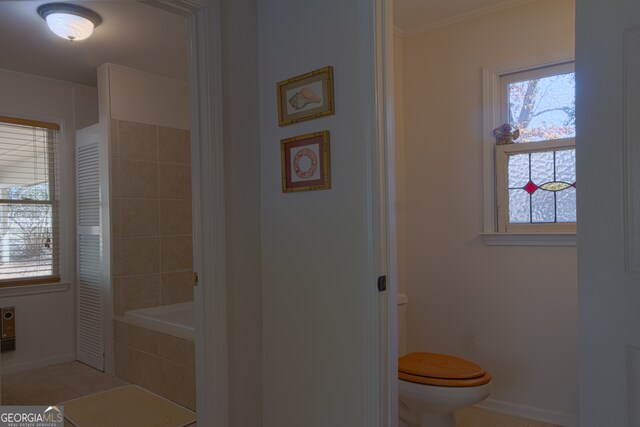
pixel 209 222
pixel 382 345
pixel 386 119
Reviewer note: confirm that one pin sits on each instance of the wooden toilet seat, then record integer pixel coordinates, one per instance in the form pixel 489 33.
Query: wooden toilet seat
pixel 441 370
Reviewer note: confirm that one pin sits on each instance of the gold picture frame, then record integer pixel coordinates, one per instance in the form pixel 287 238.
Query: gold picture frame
pixel 306 163
pixel 306 97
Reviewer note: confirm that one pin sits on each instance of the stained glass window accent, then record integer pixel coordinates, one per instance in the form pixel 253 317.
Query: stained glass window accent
pixel 543 109
pixel 535 170
pixel 542 187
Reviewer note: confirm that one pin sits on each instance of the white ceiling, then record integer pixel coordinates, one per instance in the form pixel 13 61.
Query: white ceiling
pixel 412 16
pixel 150 39
pixel 131 34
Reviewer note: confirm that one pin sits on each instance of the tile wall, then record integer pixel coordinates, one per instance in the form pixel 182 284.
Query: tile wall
pixel 152 261
pixel 160 363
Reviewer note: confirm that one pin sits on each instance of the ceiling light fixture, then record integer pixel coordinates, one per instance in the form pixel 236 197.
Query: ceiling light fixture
pixel 69 21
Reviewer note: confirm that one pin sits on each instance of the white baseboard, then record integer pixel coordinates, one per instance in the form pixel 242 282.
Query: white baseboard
pixel 7 367
pixel 530 412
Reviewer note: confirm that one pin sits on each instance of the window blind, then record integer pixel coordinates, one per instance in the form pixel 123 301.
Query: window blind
pixel 29 244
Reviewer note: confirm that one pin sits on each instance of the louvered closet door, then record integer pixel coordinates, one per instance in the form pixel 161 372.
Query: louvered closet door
pixel 90 330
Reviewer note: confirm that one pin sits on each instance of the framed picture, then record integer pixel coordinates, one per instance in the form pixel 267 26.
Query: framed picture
pixel 305 162
pixel 306 97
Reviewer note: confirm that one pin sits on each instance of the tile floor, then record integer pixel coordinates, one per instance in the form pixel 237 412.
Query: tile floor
pixel 57 383
pixel 478 417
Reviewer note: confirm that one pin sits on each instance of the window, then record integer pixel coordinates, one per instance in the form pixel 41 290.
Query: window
pixel 29 249
pixel 535 172
pixel 543 131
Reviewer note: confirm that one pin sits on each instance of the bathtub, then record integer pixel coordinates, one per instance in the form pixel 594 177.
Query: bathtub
pixel 174 319
pixel 154 348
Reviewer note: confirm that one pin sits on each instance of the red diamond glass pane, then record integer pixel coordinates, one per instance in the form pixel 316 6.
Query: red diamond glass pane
pixel 530 187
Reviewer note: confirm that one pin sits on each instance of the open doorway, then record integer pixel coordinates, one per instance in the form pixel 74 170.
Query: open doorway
pixel 197 35
pixel 506 303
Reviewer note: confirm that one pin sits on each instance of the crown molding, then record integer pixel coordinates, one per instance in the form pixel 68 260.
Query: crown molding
pixel 462 17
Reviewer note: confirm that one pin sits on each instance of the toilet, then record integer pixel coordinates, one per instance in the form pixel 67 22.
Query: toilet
pixel 432 386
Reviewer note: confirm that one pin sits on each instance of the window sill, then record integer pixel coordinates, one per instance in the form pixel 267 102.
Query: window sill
pixel 45 288
pixel 529 239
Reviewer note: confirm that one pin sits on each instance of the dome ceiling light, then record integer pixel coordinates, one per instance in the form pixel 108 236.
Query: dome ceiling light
pixel 69 21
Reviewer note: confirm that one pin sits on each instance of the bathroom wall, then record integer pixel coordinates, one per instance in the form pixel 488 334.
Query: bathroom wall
pixel 313 243
pixel 148 98
pixel 45 321
pixel 85 102
pixel 512 309
pixel 152 260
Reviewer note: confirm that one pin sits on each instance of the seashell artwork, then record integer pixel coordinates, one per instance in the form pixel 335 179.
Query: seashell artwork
pixel 304 97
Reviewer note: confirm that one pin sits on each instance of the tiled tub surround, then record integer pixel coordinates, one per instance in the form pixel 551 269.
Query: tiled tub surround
pixel 152 262
pixel 151 253
pixel 159 362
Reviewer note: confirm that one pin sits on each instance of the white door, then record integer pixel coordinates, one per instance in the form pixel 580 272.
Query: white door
pixel 608 156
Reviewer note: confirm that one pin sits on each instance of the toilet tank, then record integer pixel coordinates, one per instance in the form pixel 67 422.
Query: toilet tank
pixel 402 324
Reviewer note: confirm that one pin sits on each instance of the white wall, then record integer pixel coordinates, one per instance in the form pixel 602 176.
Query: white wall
pixel 142 97
pixel 85 102
pixel 45 323
pixel 45 330
pixel 242 177
pixel 511 309
pixel 313 243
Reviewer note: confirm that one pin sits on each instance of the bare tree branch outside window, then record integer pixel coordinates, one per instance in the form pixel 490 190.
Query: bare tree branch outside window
pixel 543 109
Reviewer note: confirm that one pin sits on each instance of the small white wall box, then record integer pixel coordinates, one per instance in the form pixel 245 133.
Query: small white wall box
pixel 8 342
